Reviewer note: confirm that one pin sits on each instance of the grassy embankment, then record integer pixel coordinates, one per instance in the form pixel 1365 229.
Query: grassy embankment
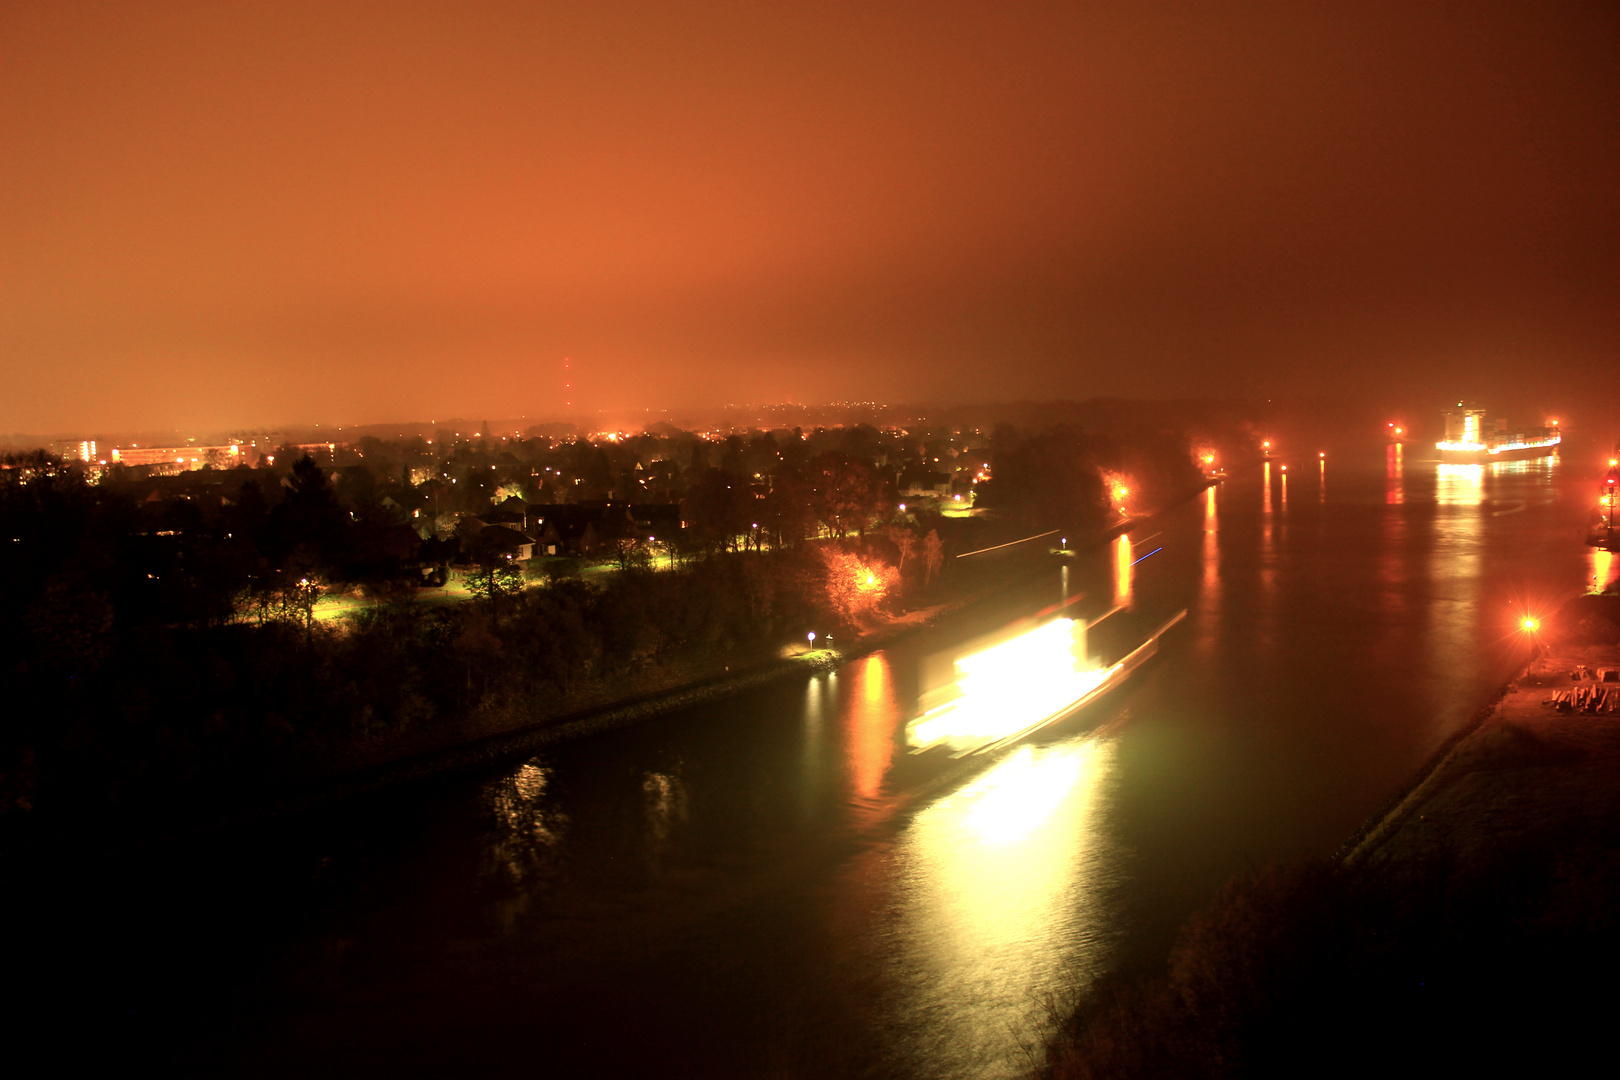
pixel 1472 925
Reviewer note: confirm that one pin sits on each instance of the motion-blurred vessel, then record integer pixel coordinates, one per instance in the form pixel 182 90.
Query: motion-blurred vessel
pixel 1029 681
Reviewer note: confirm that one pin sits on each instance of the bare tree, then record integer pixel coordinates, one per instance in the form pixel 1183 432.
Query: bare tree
pixel 933 553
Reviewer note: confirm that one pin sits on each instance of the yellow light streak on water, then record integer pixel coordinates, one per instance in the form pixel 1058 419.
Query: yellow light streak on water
pixel 989 879
pixel 870 744
pixel 1460 485
pixel 1124 568
pixel 1454 558
pixel 1209 607
pixel 1604 569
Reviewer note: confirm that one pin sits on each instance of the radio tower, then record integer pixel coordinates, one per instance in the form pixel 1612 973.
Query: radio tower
pixel 568 382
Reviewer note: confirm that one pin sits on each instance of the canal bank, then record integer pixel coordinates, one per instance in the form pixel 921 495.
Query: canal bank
pixel 1460 926
pixel 1526 772
pixel 492 736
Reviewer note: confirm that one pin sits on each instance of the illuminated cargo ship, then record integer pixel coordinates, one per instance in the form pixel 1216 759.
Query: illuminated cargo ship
pixel 1469 441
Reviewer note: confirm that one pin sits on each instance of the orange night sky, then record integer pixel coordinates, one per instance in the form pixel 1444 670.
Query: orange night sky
pixel 228 215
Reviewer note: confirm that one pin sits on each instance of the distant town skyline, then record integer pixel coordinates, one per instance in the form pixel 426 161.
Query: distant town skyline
pixel 252 217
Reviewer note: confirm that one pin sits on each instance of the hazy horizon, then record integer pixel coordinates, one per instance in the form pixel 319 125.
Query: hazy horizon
pixel 249 217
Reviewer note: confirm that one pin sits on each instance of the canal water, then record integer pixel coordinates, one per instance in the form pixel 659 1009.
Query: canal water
pixel 774 886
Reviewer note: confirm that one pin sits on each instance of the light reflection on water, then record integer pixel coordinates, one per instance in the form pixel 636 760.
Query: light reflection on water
pixel 999 897
pixel 1454 557
pixel 527 824
pixel 1459 485
pixel 1266 629
pixel 870 731
pixel 1124 569
pixel 1210 579
pixel 819 705
pixel 526 836
pixel 666 809
pixel 1605 570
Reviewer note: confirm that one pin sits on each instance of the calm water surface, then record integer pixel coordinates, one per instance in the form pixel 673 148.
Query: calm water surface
pixel 774 886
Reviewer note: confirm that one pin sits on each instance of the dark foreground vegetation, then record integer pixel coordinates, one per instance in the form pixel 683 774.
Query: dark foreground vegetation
pixel 1494 960
pixel 162 649
pixel 1475 931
